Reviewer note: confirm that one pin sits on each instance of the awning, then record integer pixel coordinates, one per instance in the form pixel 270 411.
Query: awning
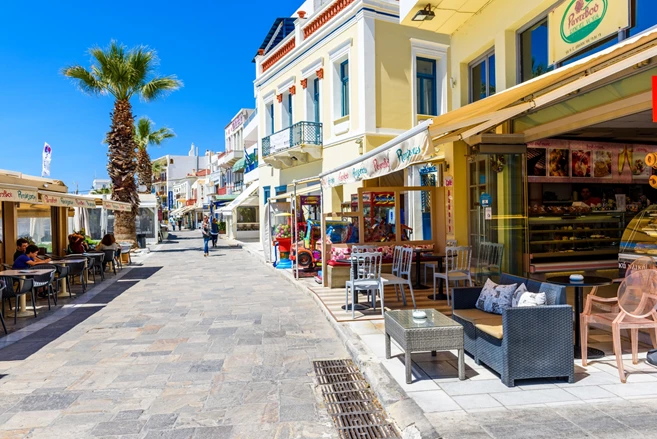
pixel 67 200
pixel 481 116
pixel 300 191
pixel 239 165
pixel 117 205
pixel 228 210
pixel 19 194
pixel 412 147
pixel 176 212
pixel 225 197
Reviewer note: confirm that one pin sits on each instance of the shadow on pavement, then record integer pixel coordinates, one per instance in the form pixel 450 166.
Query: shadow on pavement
pixel 37 340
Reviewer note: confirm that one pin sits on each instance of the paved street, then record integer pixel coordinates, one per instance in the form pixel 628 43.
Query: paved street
pixel 181 347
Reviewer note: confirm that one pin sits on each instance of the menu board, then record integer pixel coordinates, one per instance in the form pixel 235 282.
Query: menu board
pixel 567 161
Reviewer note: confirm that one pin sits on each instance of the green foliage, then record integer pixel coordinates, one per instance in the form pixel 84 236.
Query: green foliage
pixel 145 136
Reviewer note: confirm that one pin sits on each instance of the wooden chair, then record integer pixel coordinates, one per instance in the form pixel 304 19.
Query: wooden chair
pixel 457 268
pixel 404 264
pixel 635 308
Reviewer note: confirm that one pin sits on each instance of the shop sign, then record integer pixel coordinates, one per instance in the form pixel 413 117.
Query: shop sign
pixel 427 170
pixel 384 199
pixel 414 150
pixel 170 200
pixel 64 201
pixel 279 141
pixel 309 200
pixel 577 24
pixel 113 205
pixel 485 200
pixel 18 195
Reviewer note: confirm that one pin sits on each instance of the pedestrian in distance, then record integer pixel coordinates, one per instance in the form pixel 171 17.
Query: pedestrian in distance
pixel 207 235
pixel 179 224
pixel 214 230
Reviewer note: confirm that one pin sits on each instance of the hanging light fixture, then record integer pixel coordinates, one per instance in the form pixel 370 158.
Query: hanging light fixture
pixel 425 14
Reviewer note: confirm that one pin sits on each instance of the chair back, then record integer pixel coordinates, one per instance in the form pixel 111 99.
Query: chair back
pixel 406 262
pixel 63 270
pixel 109 255
pixel 44 278
pixel 451 243
pixel 396 259
pixel 76 268
pixel 24 285
pixel 7 266
pixel 357 249
pixel 637 294
pixel 490 257
pixel 368 266
pixel 458 259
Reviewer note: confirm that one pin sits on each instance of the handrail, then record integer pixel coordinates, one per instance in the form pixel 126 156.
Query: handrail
pixel 301 133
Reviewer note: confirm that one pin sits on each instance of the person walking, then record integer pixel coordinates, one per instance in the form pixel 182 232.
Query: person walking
pixel 206 231
pixel 179 224
pixel 214 230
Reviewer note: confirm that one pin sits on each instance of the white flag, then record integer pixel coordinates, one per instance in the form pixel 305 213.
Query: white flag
pixel 45 164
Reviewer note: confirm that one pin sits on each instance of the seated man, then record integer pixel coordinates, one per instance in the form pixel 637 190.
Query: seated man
pixel 29 259
pixel 21 246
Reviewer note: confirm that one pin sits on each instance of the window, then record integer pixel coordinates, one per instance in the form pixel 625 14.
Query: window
pixel 426 86
pixel 534 51
pixel 315 92
pixel 286 111
pixel 266 193
pixel 482 77
pixel 270 118
pixel 344 90
pixel 644 16
pixel 290 115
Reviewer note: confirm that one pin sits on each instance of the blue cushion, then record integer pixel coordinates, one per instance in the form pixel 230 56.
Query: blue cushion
pixel 534 286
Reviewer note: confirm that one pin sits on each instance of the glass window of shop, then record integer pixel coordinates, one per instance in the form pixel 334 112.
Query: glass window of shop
pixel 416 216
pixel 426 86
pixel 247 218
pixel 34 224
pixel 533 51
pixel 482 77
pixel 344 88
pixel 146 222
pixel 503 177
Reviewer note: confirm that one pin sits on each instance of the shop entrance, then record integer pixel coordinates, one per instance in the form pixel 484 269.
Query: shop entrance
pixel 502 217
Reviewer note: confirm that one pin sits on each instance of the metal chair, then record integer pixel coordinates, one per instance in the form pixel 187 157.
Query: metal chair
pixel 78 269
pixel 2 317
pixel 7 266
pixel 434 267
pixel 404 264
pixel 25 286
pixel 45 281
pixel 365 276
pixel 489 261
pixel 357 249
pixel 109 259
pixel 95 262
pixel 63 275
pixel 396 257
pixel 457 268
pixel 117 259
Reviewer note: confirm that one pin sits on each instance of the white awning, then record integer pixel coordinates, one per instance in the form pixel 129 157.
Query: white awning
pixel 414 146
pixel 300 191
pixel 67 200
pixel 19 194
pixel 228 209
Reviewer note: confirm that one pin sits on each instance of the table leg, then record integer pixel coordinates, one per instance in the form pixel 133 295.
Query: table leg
pixel 407 360
pixel 22 303
pixel 591 353
pixel 63 289
pixel 387 346
pixel 461 365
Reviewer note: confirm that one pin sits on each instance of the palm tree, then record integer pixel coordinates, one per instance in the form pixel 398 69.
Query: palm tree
pixel 123 74
pixel 145 136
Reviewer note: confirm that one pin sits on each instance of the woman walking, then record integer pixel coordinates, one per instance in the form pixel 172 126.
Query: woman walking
pixel 214 230
pixel 205 230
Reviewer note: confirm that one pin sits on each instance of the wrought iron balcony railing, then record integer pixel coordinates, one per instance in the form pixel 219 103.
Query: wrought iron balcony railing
pixel 301 133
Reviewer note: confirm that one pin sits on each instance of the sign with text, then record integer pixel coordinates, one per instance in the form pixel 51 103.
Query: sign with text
pixel 279 141
pixel 67 201
pixel 115 205
pixel 577 24
pixel 18 195
pixel 409 152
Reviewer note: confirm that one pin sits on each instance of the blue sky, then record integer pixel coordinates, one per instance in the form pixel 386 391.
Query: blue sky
pixel 208 44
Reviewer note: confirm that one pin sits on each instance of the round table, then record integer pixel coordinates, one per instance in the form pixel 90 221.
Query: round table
pixel 588 281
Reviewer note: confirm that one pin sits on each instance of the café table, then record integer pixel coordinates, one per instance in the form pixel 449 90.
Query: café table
pixel 24 274
pixel 63 291
pixel 424 255
pixel 588 281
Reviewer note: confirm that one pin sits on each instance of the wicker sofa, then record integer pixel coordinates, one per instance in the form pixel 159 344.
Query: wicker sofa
pixel 523 342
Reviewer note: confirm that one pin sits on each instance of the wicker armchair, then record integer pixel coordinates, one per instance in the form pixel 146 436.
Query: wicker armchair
pixel 523 342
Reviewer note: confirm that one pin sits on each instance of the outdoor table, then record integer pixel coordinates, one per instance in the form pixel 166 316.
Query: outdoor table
pixel 420 255
pixel 64 262
pixel 588 281
pixel 22 274
pixel 436 332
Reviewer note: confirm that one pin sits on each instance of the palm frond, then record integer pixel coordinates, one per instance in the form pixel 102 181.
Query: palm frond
pixel 160 86
pixel 142 62
pixel 86 80
pixel 159 136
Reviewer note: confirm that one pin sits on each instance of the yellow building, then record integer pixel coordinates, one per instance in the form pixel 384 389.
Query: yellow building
pixel 550 115
pixel 336 81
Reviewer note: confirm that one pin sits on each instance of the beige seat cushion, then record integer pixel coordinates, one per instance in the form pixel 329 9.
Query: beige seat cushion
pixel 474 315
pixel 492 327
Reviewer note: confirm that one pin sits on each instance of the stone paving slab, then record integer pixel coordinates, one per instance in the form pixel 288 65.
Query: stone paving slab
pixel 182 347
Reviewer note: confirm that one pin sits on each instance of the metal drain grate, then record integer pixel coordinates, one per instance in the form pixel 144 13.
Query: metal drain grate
pixel 350 402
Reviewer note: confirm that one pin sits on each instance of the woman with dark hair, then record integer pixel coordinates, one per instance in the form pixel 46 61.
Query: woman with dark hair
pixel 108 243
pixel 77 244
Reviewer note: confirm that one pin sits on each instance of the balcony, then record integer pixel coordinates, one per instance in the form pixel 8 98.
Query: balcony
pixel 298 144
pixel 229 158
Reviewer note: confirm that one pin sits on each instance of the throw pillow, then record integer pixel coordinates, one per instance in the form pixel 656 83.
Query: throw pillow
pixel 517 294
pixel 495 298
pixel 532 299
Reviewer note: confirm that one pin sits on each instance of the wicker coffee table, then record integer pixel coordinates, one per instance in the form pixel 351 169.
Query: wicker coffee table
pixel 435 333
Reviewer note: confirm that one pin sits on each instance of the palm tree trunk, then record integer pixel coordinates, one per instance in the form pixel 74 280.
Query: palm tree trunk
pixel 121 167
pixel 144 169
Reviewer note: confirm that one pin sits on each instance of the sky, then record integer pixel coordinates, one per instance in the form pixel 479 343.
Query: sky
pixel 209 45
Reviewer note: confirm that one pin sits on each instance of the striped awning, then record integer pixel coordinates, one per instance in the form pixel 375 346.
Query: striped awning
pixel 239 165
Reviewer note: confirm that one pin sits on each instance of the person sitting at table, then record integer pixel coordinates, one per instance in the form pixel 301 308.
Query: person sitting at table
pixel 108 243
pixel 76 244
pixel 21 246
pixel 29 259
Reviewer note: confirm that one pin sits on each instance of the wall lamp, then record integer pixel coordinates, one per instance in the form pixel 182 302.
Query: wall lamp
pixel 425 14
pixel 360 145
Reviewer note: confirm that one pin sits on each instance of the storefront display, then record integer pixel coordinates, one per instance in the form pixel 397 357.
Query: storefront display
pixel 639 238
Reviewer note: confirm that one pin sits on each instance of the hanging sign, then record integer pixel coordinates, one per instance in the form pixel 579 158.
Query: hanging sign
pixel 114 205
pixel 279 141
pixel 577 24
pixel 413 150
pixel 18 195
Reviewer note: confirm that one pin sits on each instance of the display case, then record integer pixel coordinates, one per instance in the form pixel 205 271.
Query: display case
pixel 639 238
pixel 574 242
